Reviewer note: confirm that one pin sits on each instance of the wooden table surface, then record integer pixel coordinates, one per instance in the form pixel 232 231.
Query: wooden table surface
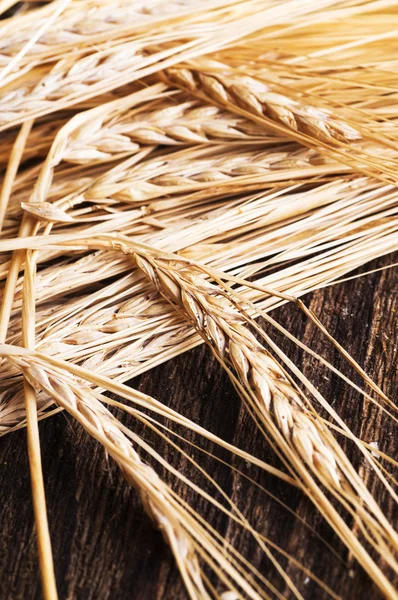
pixel 104 545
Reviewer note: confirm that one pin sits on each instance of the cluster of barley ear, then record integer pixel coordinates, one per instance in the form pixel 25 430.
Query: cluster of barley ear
pixel 170 173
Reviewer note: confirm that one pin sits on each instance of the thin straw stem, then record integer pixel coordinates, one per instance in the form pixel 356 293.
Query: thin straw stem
pixel 36 472
pixel 12 168
pixel 12 278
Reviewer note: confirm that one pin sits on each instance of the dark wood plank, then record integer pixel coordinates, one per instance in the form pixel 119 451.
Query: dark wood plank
pixel 104 545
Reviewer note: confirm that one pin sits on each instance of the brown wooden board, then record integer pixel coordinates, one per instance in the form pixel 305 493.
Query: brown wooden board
pixel 104 545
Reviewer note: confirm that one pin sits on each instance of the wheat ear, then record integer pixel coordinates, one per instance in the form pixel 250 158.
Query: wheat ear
pixel 196 169
pixel 274 401
pixel 222 85
pixel 79 401
pixel 170 123
pixel 182 530
pixel 71 79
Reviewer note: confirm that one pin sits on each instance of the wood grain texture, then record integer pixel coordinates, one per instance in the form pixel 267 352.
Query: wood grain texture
pixel 104 545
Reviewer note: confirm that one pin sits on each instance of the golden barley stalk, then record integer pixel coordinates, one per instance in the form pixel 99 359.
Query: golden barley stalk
pixel 100 423
pixel 274 400
pixel 181 530
pixel 222 85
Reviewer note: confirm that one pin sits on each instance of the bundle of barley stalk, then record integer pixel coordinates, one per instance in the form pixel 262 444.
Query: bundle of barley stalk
pixel 172 172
